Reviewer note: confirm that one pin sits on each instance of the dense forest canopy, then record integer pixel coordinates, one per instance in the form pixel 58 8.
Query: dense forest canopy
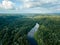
pixel 14 29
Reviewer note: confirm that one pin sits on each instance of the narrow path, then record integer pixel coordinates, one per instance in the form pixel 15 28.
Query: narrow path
pixel 31 35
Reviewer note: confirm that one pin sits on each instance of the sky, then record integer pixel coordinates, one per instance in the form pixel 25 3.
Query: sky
pixel 29 6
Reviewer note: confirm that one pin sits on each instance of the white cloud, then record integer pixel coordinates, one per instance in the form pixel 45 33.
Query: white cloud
pixel 27 3
pixel 58 9
pixel 48 1
pixel 35 3
pixel 45 5
pixel 6 4
pixel 0 6
pixel 37 10
pixel 25 0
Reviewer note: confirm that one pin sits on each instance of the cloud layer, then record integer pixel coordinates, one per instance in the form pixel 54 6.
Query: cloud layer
pixel 6 4
pixel 30 5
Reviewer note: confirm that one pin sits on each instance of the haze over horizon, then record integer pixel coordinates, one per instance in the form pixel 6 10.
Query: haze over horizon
pixel 29 6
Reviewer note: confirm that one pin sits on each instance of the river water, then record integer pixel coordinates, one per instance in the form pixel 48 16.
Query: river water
pixel 31 35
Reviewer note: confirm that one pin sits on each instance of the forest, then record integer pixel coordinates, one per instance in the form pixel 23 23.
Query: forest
pixel 14 29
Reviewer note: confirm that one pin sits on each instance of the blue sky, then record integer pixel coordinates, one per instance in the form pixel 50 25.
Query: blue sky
pixel 29 6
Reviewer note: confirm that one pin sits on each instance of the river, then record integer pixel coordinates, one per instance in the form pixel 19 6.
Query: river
pixel 30 35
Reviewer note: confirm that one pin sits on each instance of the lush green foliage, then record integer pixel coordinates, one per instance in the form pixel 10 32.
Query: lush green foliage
pixel 14 29
pixel 49 31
